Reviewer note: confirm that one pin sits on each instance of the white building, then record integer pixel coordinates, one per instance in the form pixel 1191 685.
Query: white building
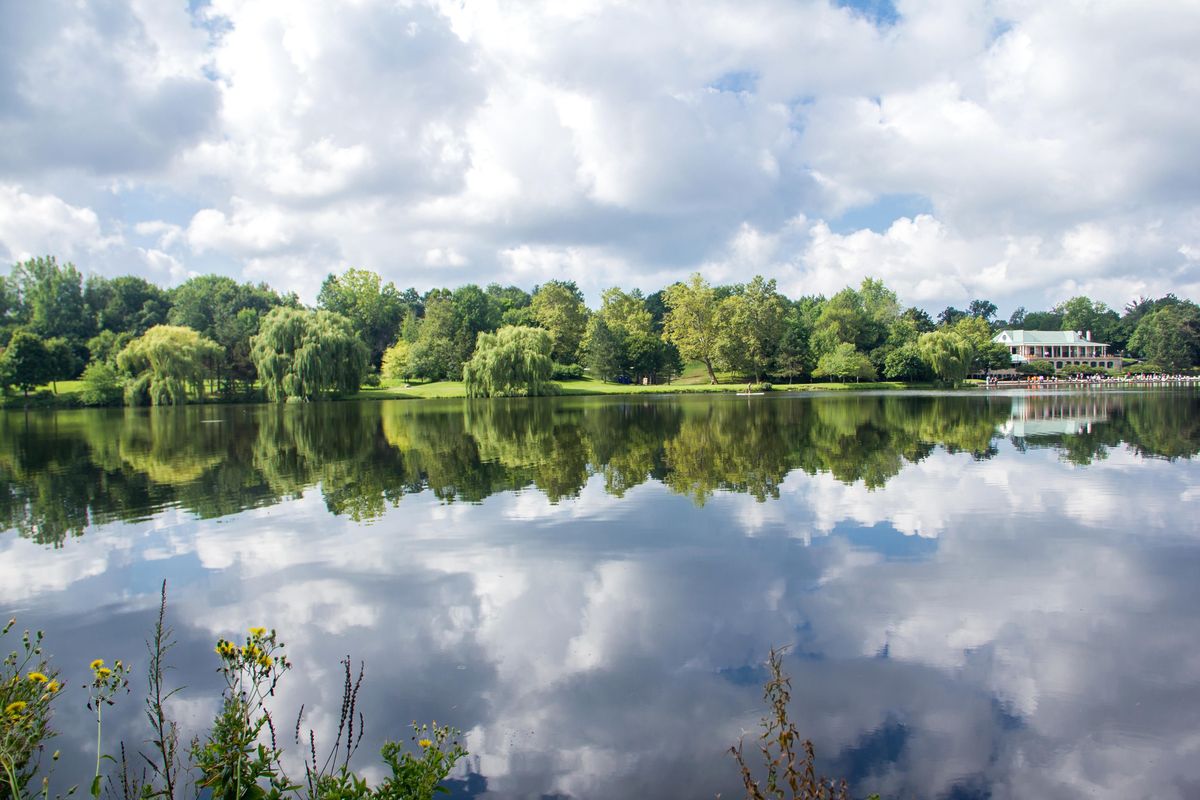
pixel 1060 348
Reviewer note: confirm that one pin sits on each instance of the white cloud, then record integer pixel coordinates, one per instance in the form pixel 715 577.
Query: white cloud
pixel 1052 145
pixel 39 224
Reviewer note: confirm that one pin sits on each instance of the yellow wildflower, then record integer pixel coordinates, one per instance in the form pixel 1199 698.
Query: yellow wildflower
pixel 425 743
pixel 103 672
pixel 15 707
pixel 258 631
pixel 97 664
pixel 264 661
pixel 37 677
pixel 52 687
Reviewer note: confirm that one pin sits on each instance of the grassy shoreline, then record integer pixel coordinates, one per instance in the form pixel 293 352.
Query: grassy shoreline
pixel 68 391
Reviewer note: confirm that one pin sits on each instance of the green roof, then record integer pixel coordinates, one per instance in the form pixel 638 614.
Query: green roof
pixel 1042 337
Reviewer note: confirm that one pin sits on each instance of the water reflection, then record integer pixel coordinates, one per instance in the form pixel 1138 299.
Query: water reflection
pixel 973 614
pixel 60 473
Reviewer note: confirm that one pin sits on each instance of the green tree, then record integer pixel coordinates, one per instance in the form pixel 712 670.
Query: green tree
pixel 165 363
pixel 793 359
pixel 558 307
pixel 229 314
pixel 641 352
pixel 949 316
pixel 692 322
pixel 752 324
pixel 513 303
pixel 512 362
pixel 63 364
pixel 948 355
pixel 982 309
pixel 845 362
pixel 1082 314
pixel 1042 321
pixel 920 319
pixel 27 363
pixel 50 299
pixel 375 309
pixel 102 384
pixel 1169 337
pixel 397 361
pixel 307 354
pixel 905 364
pixel 105 345
pixel 127 304
pixel 843 319
pixel 986 354
pixel 603 354
pixel 442 344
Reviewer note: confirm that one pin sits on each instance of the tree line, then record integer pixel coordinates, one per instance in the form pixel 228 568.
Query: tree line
pixel 134 342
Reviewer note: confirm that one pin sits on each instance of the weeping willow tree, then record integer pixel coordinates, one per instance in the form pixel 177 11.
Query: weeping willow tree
pixel 166 363
pixel 512 362
pixel 306 354
pixel 949 355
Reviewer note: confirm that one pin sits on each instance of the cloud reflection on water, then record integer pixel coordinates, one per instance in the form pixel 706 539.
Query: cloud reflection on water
pixel 1044 645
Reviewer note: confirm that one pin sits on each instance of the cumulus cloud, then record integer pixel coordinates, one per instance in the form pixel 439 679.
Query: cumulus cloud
pixel 1051 147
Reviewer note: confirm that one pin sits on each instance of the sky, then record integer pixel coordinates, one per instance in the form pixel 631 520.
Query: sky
pixel 1021 151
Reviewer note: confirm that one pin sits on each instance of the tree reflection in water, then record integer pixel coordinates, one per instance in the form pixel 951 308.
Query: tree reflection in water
pixel 61 472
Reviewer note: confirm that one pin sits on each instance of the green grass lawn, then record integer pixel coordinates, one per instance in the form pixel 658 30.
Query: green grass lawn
pixel 692 382
pixel 443 389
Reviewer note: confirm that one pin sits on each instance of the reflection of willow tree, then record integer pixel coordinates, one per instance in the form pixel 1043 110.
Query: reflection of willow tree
pixel 437 453
pixel 338 445
pixel 534 438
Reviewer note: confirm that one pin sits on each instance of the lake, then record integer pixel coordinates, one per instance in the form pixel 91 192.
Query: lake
pixel 985 595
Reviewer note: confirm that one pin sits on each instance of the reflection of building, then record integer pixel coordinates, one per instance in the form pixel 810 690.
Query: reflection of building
pixel 1055 415
pixel 1060 348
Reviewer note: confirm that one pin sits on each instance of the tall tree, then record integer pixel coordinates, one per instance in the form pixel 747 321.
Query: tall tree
pixel 1169 337
pixel 641 351
pixel 982 309
pixel 375 309
pixel 127 304
pixel 308 354
pixel 50 299
pixel 603 353
pixel 558 307
pixel 1083 314
pixel 751 327
pixel 692 323
pixel 843 319
pixel 949 316
pixel 513 303
pixel 166 363
pixel 920 319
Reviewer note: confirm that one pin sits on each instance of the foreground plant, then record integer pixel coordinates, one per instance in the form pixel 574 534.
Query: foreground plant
pixel 235 762
pixel 106 683
pixel 28 687
pixel 790 775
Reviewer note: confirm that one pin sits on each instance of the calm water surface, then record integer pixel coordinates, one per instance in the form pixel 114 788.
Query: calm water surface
pixel 986 596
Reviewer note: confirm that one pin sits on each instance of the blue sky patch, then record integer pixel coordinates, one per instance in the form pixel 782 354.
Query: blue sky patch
pixel 880 215
pixel 738 82
pixel 880 12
